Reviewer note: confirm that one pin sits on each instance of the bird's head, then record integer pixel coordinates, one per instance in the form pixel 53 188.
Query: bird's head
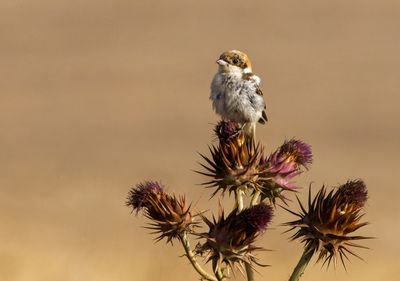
pixel 234 61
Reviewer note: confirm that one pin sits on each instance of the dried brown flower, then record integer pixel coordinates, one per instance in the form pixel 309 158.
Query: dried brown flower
pixel 325 227
pixel 238 163
pixel 170 216
pixel 235 162
pixel 230 240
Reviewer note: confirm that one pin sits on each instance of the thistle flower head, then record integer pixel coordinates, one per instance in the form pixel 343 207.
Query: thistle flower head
pixel 330 217
pixel 289 157
pixel 235 162
pixel 137 197
pixel 170 216
pixel 257 217
pixel 354 192
pixel 281 167
pixel 226 129
pixel 230 240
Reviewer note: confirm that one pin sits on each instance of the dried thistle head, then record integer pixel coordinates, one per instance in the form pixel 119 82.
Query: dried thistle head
pixel 235 162
pixel 170 216
pixel 225 130
pixel 354 192
pixel 282 166
pixel 229 241
pixel 138 196
pixel 238 163
pixel 325 227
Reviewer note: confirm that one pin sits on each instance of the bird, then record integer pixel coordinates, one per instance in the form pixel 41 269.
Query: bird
pixel 236 93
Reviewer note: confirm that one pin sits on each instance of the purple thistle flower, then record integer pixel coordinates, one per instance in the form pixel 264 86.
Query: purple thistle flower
pixel 230 240
pixel 138 196
pixel 226 129
pixel 281 167
pixel 170 216
pixel 301 150
pixel 235 162
pixel 326 226
pixel 257 217
pixel 289 157
pixel 354 192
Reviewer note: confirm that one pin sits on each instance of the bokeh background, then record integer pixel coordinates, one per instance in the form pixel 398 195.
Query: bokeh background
pixel 96 96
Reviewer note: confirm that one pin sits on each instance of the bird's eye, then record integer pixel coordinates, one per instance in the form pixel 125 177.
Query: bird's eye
pixel 235 61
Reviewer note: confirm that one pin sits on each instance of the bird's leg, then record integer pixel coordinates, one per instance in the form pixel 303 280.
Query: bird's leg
pixel 243 127
pixel 250 129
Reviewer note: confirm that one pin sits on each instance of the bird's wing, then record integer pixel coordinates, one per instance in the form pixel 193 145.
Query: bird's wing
pixel 256 82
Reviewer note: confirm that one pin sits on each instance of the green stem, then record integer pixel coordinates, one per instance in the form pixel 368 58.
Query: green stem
pixel 192 258
pixel 301 265
pixel 239 199
pixel 220 275
pixel 249 272
pixel 254 199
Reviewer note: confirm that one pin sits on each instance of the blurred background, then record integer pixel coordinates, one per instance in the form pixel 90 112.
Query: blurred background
pixel 96 96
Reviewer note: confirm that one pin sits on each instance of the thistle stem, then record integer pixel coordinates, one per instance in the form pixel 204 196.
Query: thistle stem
pixel 192 258
pixel 249 272
pixel 301 265
pixel 239 199
pixel 254 199
pixel 220 275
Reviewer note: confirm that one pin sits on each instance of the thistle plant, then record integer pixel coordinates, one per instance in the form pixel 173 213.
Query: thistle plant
pixel 326 225
pixel 229 243
pixel 238 165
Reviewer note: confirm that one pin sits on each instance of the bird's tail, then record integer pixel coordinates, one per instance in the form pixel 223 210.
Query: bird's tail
pixel 263 118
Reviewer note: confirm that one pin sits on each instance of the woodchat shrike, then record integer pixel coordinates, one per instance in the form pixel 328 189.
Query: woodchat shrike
pixel 236 93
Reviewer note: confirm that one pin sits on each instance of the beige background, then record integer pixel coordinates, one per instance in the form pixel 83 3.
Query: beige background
pixel 96 96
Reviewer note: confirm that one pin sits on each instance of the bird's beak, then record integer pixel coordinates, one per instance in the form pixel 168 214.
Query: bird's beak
pixel 221 62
